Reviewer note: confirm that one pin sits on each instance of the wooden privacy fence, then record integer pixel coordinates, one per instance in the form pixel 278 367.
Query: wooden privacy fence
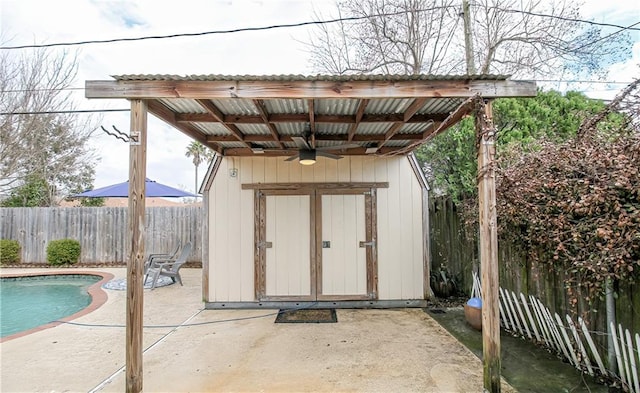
pixel 101 231
pixel 527 317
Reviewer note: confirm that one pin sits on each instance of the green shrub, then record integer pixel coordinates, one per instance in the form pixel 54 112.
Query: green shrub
pixel 63 252
pixel 9 252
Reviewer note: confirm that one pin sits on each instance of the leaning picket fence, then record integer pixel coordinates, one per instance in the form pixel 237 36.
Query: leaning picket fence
pixel 529 318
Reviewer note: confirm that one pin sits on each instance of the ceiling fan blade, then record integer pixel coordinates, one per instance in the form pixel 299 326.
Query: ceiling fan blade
pixel 301 142
pixel 328 155
pixel 339 147
pixel 293 157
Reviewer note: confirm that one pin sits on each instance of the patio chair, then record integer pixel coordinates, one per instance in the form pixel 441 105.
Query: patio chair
pixel 160 256
pixel 169 267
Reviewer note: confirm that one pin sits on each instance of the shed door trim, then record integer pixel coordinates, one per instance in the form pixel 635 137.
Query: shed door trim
pixel 315 194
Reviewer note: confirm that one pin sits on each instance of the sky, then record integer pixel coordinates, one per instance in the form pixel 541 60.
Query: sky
pixel 277 51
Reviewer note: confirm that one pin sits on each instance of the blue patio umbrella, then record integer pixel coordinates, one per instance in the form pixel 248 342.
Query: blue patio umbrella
pixel 121 190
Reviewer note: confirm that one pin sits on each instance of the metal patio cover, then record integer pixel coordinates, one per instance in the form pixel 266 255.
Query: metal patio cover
pixel 251 115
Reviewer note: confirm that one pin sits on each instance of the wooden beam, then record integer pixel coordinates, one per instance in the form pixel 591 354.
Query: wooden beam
pixel 219 116
pixel 356 151
pixel 265 119
pixel 430 129
pixel 312 122
pixel 312 186
pixel 486 135
pixel 392 131
pixel 307 88
pixel 135 265
pixel 318 118
pixel 406 116
pixel 322 137
pixel 362 106
pixel 466 108
pixel 165 114
pixel 413 108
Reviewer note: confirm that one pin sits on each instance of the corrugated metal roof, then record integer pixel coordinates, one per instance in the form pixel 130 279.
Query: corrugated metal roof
pixel 291 129
pixel 292 77
pixel 413 128
pixel 373 128
pixel 384 106
pixel 440 105
pixel 236 106
pixel 211 128
pixel 254 129
pixel 286 106
pixel 333 128
pixel 334 106
pixel 182 105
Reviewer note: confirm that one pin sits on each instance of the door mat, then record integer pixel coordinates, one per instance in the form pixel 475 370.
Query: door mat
pixel 319 315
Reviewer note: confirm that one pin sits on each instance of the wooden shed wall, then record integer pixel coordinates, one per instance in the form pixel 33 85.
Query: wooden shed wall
pixel 231 220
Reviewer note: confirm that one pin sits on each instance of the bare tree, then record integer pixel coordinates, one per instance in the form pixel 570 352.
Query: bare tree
pixel 527 39
pixel 393 37
pixel 40 137
pixel 540 38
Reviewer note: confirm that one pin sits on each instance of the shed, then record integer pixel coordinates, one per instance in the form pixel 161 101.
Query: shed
pixel 350 228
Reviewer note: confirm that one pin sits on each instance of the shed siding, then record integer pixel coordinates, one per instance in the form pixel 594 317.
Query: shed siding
pixel 399 220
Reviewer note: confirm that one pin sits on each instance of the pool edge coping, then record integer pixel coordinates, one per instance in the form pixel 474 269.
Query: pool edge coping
pixel 98 298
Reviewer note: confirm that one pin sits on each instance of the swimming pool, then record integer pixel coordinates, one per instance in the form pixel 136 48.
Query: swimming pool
pixel 34 301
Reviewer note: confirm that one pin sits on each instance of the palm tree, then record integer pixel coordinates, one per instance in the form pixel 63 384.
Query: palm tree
pixel 200 154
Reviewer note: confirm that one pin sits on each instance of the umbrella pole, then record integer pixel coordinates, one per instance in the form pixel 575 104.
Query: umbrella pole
pixel 135 265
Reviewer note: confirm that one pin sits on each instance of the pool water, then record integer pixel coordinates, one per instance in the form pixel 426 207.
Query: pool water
pixel 29 302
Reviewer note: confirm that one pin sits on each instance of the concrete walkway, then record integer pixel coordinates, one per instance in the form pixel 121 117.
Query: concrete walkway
pixel 188 349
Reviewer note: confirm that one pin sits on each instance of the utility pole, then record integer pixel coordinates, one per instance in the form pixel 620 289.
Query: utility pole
pixel 468 38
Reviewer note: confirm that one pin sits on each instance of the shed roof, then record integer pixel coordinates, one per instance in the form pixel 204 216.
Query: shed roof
pixel 246 115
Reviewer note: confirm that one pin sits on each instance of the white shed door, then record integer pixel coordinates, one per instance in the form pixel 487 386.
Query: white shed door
pixel 288 269
pixel 344 261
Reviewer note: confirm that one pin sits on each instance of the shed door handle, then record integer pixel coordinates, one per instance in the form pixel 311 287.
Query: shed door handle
pixel 372 243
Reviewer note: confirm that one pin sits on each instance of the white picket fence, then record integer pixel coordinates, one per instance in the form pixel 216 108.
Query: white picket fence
pixel 529 318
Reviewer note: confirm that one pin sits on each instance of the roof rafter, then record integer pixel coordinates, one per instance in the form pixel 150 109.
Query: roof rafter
pixel 408 114
pixel 165 114
pixel 265 118
pixel 362 106
pixel 219 116
pixel 312 122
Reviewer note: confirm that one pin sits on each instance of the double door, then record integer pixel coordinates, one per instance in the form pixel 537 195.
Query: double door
pixel 316 245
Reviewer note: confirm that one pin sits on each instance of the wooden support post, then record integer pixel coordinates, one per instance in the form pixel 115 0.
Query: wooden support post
pixel 135 265
pixel 485 136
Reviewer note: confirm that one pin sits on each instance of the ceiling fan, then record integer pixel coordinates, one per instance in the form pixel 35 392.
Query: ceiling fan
pixel 307 154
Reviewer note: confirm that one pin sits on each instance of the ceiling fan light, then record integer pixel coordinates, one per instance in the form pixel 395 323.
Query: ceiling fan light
pixel 307 157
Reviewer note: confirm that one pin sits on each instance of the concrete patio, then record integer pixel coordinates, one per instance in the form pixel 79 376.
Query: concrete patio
pixel 188 349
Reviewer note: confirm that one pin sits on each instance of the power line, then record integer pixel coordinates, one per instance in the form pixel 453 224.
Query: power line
pixel 64 112
pixel 42 90
pixel 622 28
pixel 507 10
pixel 238 30
pixel 300 24
pixel 585 81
